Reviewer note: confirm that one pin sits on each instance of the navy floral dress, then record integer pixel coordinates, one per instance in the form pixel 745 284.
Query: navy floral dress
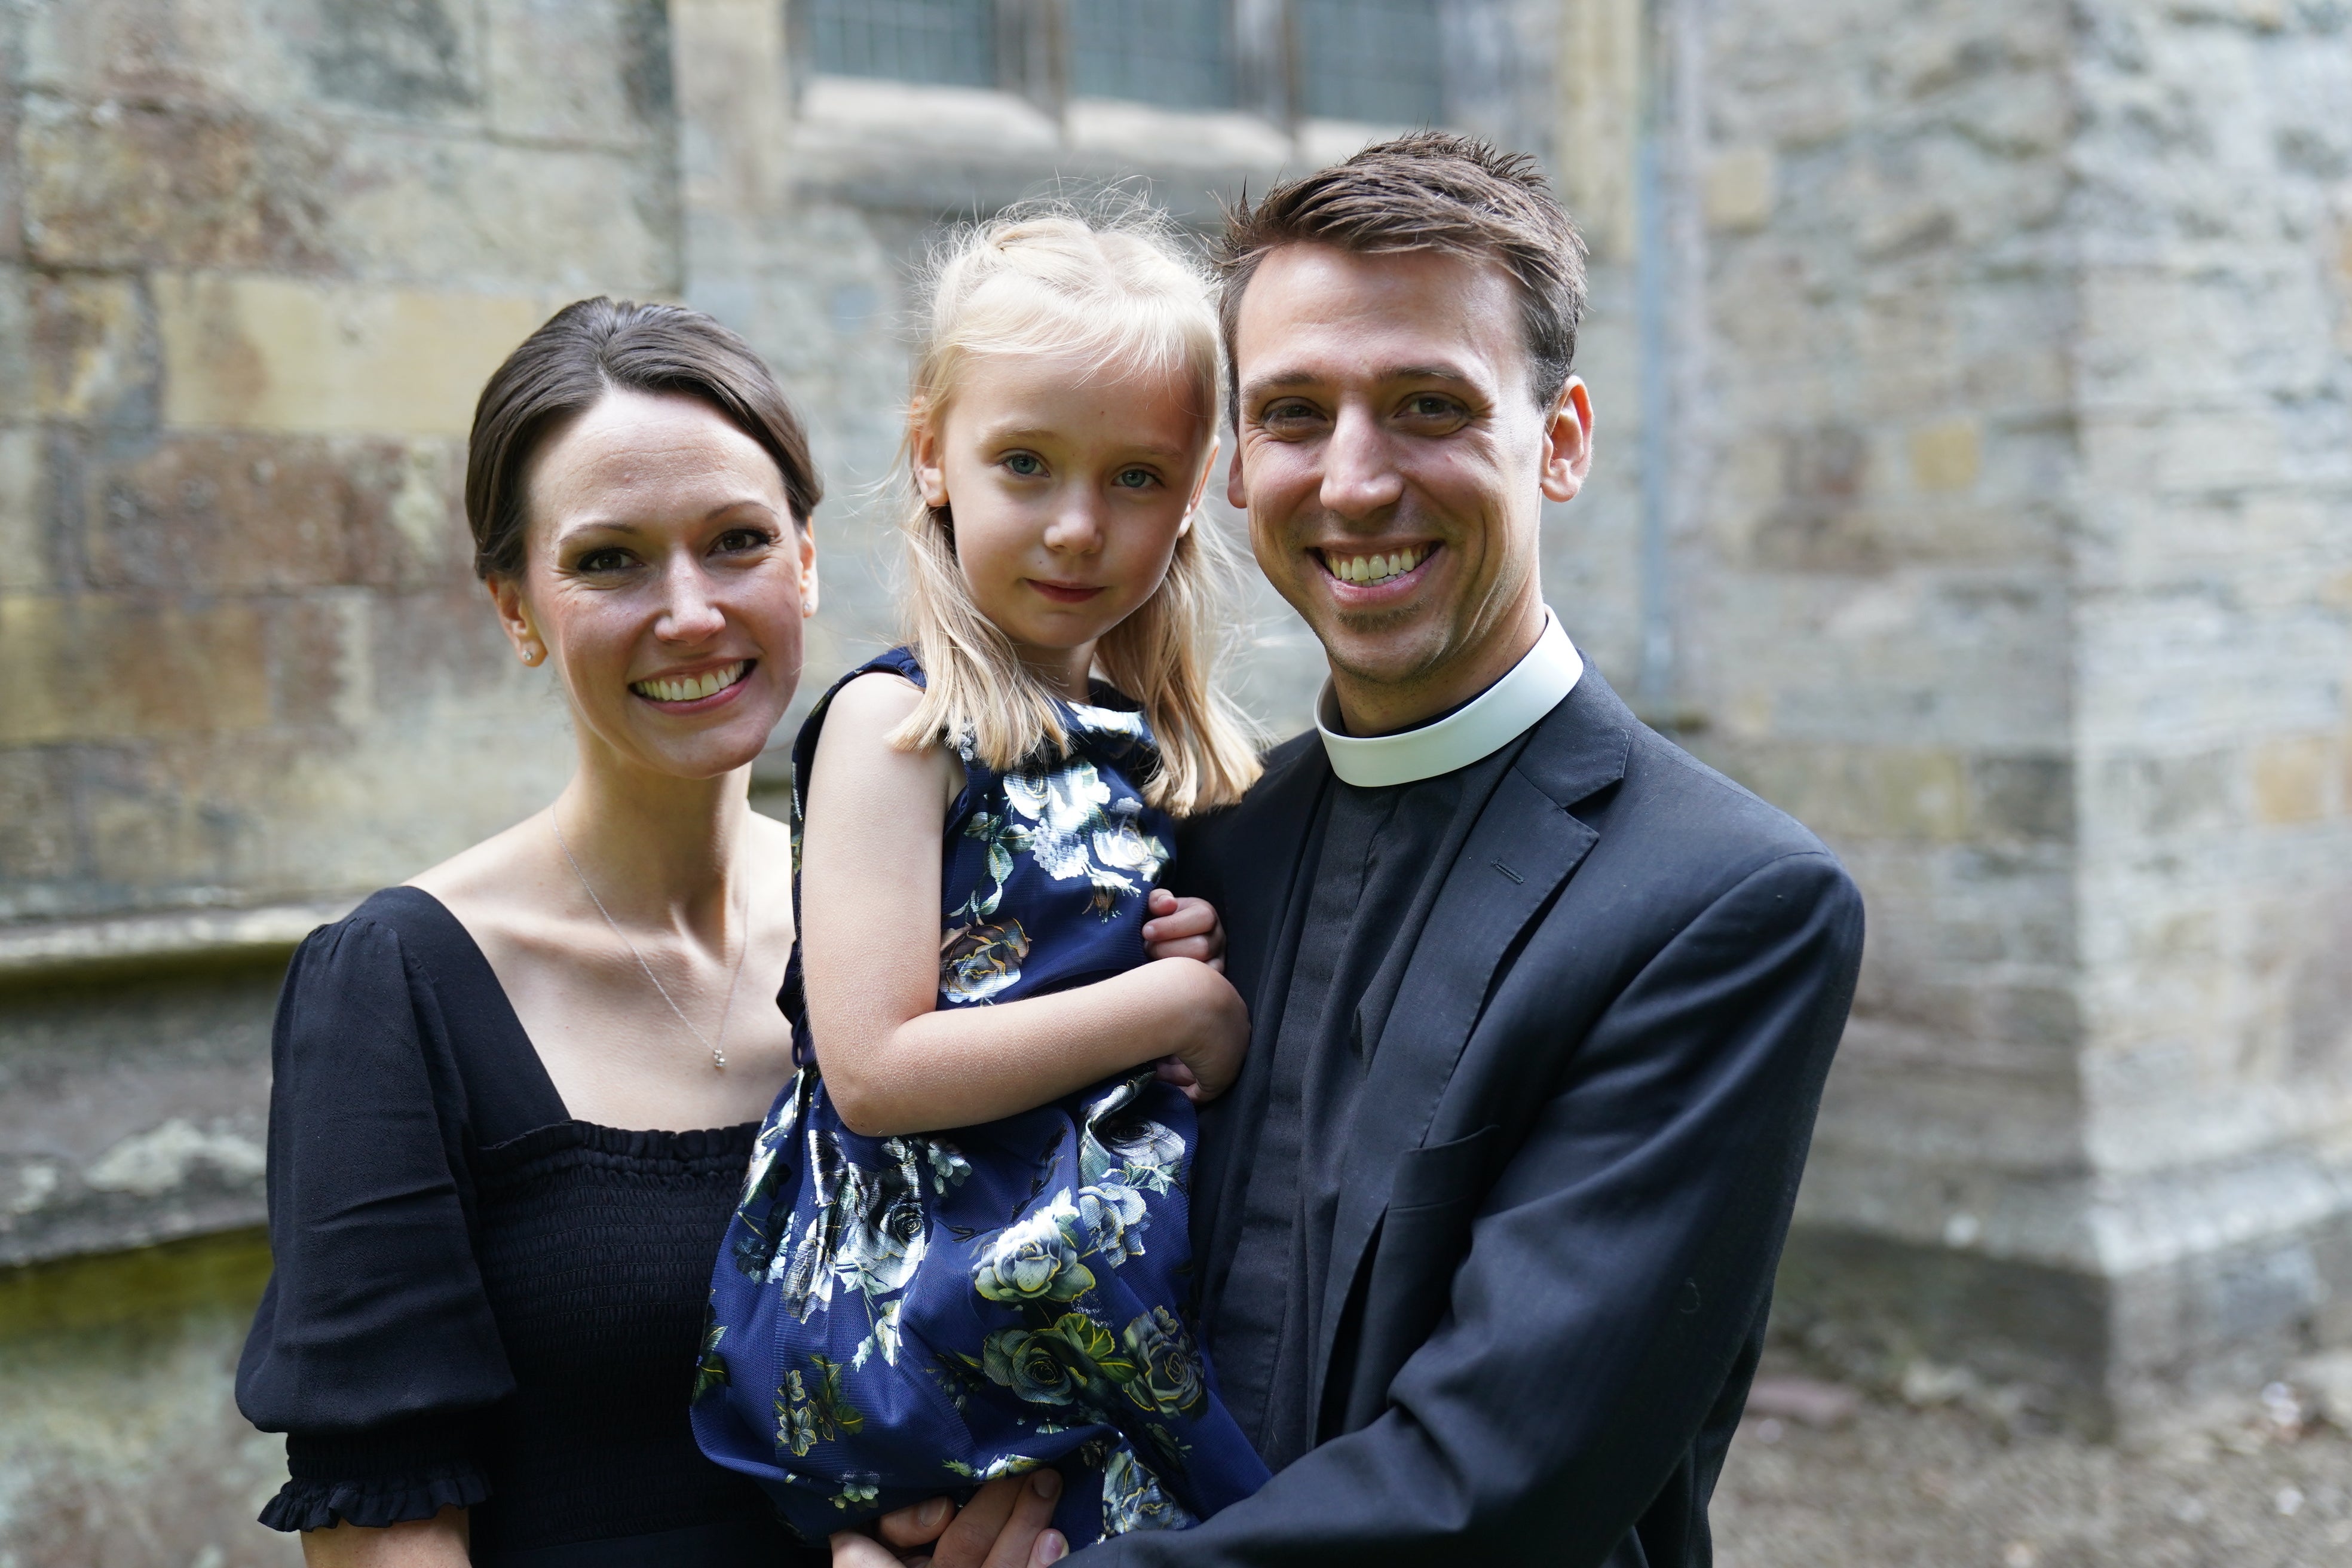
pixel 897 1319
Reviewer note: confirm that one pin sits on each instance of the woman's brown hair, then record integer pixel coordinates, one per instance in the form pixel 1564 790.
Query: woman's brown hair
pixel 595 346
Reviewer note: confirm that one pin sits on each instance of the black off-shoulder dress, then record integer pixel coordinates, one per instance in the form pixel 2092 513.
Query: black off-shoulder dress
pixel 478 1301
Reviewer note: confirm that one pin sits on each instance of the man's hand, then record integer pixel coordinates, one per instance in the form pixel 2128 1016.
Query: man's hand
pixel 1003 1526
pixel 1183 928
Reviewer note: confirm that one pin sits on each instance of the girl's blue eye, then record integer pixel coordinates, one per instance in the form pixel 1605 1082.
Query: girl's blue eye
pixel 1025 464
pixel 1135 478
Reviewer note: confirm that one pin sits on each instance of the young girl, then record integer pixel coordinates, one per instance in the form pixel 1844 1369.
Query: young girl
pixel 901 1311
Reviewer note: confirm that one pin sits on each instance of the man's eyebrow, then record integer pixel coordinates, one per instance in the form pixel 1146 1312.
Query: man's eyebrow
pixel 1289 378
pixel 1429 372
pixel 1285 380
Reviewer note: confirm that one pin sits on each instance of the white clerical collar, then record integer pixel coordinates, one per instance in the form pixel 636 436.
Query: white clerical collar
pixel 1479 728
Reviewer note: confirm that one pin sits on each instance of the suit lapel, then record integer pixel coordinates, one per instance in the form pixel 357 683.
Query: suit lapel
pixel 1523 845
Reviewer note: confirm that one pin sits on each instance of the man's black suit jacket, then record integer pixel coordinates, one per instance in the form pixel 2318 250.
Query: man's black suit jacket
pixel 1573 1163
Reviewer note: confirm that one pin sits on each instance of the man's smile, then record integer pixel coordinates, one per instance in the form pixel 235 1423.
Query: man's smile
pixel 1357 574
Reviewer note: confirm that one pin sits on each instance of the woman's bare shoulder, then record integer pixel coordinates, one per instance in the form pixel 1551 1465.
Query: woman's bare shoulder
pixel 502 878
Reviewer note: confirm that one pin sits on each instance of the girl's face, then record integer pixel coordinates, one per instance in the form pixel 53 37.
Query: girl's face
pixel 666 576
pixel 1070 487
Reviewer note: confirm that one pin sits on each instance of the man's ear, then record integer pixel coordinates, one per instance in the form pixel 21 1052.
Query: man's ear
pixel 514 619
pixel 1237 489
pixel 1568 442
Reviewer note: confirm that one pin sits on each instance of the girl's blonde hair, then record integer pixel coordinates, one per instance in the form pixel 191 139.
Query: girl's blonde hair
pixel 1111 288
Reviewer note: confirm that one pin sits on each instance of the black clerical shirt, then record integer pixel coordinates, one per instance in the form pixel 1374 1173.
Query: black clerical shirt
pixel 1382 857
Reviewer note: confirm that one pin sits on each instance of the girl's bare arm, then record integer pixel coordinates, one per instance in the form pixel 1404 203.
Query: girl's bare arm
pixel 870 910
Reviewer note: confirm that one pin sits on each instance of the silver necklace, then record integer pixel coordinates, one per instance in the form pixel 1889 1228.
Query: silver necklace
pixel 714 1046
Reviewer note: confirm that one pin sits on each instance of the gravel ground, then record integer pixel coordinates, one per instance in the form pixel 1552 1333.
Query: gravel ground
pixel 1894 1486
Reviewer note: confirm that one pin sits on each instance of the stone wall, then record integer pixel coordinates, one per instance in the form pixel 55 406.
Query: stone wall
pixel 2022 578
pixel 2212 643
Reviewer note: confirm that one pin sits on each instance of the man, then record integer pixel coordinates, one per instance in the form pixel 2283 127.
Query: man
pixel 1541 1006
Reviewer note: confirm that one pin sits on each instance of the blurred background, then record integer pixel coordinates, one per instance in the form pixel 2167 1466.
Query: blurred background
pixel 1974 480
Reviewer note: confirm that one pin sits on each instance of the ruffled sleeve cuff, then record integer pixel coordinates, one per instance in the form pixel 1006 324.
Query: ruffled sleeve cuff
pixel 320 1505
pixel 406 1470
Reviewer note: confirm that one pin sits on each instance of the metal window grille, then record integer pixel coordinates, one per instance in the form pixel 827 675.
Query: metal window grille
pixel 1380 61
pixel 947 41
pixel 1178 53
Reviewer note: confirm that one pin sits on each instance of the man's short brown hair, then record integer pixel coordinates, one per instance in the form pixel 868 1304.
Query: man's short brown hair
pixel 1430 190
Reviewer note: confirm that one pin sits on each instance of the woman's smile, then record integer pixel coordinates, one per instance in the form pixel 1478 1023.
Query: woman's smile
pixel 694 692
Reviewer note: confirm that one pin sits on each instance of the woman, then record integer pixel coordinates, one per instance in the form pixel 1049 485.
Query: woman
pixel 514 1097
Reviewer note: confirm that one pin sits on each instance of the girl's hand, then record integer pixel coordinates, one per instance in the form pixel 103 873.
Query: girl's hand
pixel 1183 928
pixel 1214 1037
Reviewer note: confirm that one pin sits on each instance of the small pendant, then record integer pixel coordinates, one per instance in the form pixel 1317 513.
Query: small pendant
pixel 718 1059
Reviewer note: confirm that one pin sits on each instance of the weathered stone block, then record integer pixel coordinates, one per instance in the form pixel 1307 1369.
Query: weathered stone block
pixel 596 72
pixel 93 350
pixel 218 51
pixel 1821 524
pixel 2022 797
pixel 455 747
pixel 1947 455
pixel 1863 792
pixel 100 666
pixel 419 59
pixel 269 353
pixel 16 397
pixel 449 213
pixel 169 817
pixel 237 513
pixel 1738 189
pixel 37 831
pixel 2293 778
pixel 132 1110
pixel 12 206
pixel 124 183
pixel 320 673
pixel 2343 282
pixel 25 562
